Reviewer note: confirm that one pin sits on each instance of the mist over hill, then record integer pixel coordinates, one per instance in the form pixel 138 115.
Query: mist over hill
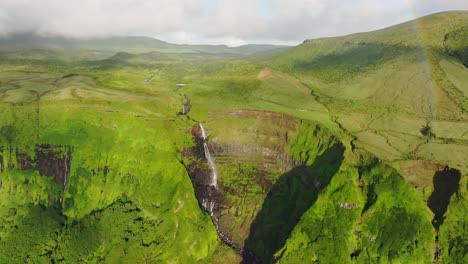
pixel 104 47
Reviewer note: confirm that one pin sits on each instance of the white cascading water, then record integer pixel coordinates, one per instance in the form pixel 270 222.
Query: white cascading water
pixel 65 179
pixel 209 158
pixel 208 206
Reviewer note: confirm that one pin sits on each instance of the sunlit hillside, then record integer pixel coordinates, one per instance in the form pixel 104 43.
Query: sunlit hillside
pixel 349 149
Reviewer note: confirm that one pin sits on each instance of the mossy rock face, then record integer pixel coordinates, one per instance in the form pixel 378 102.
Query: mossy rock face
pixel 354 221
pixel 85 185
pixel 266 184
pixel 250 151
pixel 292 194
pixel 324 191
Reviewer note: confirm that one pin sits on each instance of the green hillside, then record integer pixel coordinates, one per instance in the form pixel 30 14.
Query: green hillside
pixel 385 88
pixel 351 149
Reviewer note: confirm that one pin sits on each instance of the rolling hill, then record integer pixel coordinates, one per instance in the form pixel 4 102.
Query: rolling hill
pixel 350 149
pixel 98 48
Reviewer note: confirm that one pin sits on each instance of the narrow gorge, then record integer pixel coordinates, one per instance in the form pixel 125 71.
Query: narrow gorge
pixel 249 186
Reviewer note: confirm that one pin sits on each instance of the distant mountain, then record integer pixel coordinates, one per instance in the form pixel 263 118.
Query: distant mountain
pixel 105 47
pixel 258 48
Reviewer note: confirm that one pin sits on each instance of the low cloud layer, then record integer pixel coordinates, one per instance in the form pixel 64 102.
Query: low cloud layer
pixel 212 21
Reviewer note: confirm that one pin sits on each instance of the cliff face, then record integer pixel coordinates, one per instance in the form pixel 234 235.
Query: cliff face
pixel 49 160
pixel 260 156
pixel 263 143
pixel 248 158
pixel 280 177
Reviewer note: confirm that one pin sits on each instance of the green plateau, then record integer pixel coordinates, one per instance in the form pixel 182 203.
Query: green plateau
pixel 349 149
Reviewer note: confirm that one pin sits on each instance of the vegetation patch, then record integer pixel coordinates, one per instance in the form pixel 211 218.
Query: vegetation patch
pixel 456 43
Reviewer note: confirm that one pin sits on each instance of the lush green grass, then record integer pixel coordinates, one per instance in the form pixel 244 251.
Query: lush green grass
pixel 349 61
pixel 457 73
pixel 138 139
pixel 452 234
pixel 365 233
pixel 324 104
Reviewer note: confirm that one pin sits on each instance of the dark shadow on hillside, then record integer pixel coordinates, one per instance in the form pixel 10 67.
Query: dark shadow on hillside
pixel 455 44
pixel 358 58
pixel 293 193
pixel 446 183
pixel 32 234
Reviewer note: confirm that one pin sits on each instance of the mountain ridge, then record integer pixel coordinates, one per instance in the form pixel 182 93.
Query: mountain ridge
pixel 131 44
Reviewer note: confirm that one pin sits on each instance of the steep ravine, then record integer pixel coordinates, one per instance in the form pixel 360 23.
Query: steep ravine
pixel 283 180
pixel 207 192
pixel 255 178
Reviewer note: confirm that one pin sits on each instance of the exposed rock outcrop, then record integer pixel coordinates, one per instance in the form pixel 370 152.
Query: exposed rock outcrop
pixel 252 161
pixel 50 160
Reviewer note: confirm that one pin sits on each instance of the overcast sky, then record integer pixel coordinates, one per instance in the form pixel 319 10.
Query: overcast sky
pixel 231 22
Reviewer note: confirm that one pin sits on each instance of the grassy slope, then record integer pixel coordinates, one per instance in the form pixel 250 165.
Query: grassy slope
pixel 384 86
pixel 137 136
pixel 402 72
pixel 359 82
pixel 365 233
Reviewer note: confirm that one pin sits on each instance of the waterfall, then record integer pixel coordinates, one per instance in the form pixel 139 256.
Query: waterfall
pixel 208 196
pixel 65 176
pixel 208 206
pixel 209 158
pixel 183 109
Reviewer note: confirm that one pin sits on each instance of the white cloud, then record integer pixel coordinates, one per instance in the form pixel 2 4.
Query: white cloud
pixel 227 21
